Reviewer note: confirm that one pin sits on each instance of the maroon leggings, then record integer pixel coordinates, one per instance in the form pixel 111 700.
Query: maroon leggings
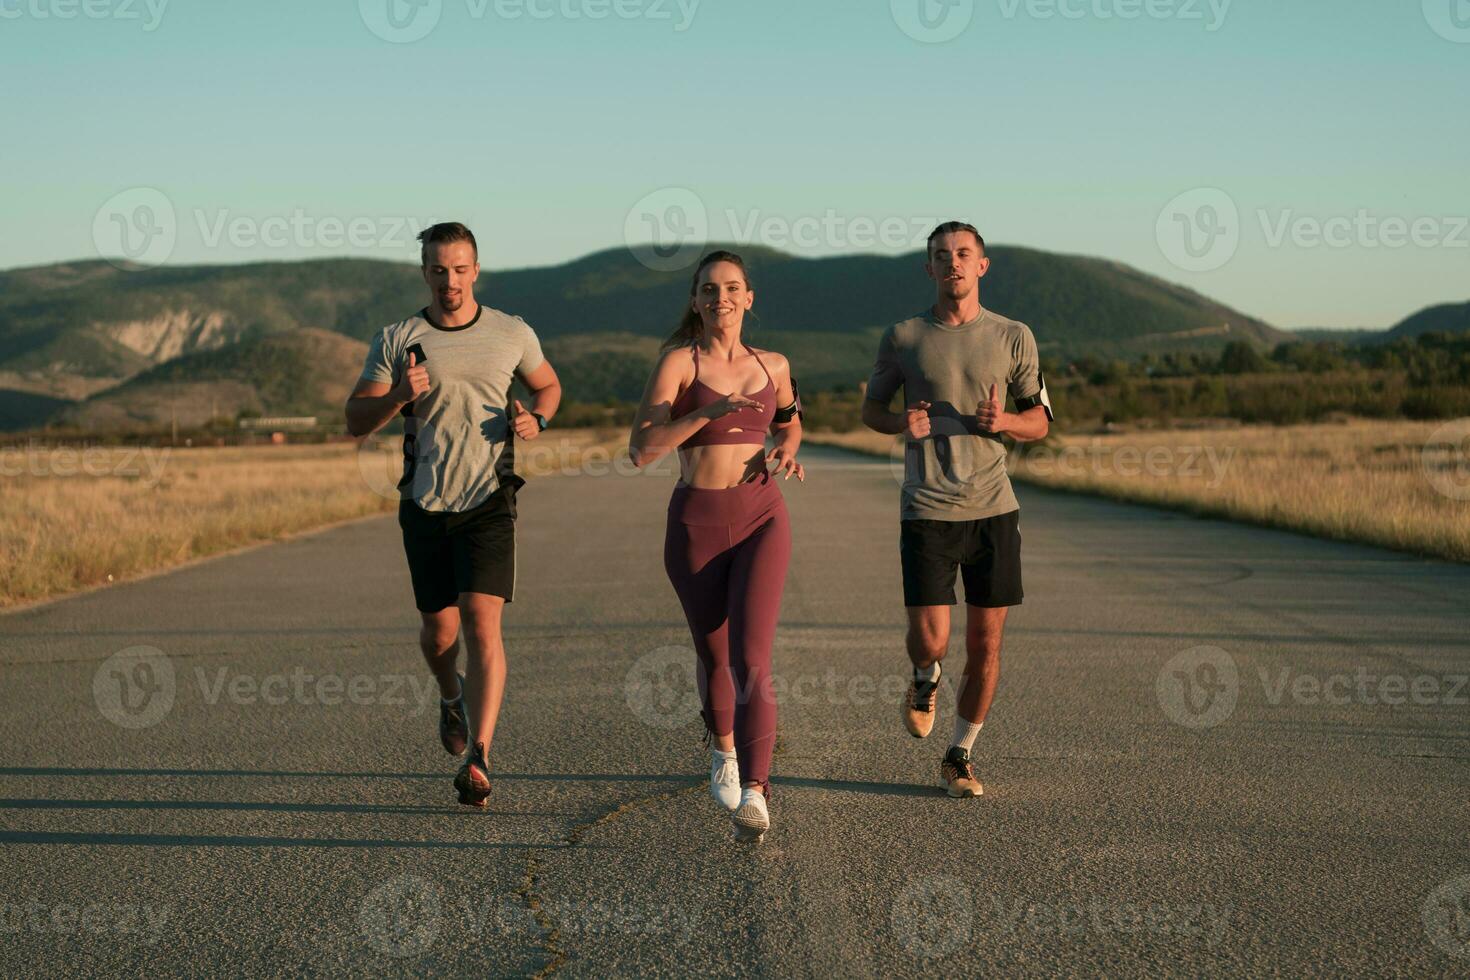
pixel 726 553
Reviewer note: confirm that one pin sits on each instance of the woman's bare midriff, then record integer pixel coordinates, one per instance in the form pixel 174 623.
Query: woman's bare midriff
pixel 720 467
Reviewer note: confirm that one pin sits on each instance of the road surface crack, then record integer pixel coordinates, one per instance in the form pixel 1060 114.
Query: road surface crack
pixel 534 901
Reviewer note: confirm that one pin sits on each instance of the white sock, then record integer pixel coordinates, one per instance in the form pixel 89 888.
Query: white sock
pixel 965 732
pixel 928 675
pixel 722 753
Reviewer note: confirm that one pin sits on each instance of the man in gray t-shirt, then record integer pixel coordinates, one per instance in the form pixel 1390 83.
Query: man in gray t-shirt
pixel 460 449
pixel 448 370
pixel 955 364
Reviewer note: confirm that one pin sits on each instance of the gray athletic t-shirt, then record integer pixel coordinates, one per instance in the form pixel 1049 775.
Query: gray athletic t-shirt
pixel 457 446
pixel 957 473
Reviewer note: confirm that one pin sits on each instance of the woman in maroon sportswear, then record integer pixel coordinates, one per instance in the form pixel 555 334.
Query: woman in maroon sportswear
pixel 713 398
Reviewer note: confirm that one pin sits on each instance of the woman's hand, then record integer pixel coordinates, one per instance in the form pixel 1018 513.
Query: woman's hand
pixel 786 464
pixel 730 403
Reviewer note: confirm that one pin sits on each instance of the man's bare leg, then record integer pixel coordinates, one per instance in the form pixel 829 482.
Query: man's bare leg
pixel 484 684
pixel 484 662
pixel 439 642
pixel 983 630
pixel 927 642
pixel 928 635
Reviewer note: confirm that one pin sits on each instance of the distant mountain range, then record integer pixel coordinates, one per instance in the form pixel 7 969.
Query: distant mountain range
pixel 92 345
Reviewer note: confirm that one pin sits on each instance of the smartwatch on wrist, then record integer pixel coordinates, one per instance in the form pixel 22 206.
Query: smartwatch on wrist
pixel 540 420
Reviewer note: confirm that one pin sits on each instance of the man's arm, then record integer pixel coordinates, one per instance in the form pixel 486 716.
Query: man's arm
pixel 545 400
pixel 912 421
pixel 877 417
pixel 1026 426
pixel 373 403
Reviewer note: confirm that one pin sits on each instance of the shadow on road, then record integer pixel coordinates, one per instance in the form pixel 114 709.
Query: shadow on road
pixel 211 840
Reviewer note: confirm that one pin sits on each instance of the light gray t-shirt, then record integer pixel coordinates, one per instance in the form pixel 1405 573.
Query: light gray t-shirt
pixel 457 447
pixel 957 473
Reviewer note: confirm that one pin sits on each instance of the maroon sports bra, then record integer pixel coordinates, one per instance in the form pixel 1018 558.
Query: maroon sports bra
pixel 752 423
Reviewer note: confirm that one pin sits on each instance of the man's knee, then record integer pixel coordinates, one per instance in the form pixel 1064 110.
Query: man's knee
pixel 440 630
pixel 931 636
pixel 481 613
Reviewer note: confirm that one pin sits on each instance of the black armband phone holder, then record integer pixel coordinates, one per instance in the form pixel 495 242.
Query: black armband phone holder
pixel 1040 398
pixel 792 411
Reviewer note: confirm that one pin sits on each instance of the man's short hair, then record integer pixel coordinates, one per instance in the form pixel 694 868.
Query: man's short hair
pixel 442 234
pixel 951 227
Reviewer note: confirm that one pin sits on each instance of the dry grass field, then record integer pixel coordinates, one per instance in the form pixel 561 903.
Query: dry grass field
pixel 72 518
pixel 1398 484
pixel 75 517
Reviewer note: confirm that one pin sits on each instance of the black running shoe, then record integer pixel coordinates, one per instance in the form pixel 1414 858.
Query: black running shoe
pixel 473 781
pixel 454 725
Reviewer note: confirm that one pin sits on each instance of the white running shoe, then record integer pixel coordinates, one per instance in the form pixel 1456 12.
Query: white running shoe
pixel 751 819
pixel 724 780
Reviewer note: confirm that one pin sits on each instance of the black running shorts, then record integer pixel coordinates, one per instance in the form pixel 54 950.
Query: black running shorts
pixel 987 551
pixel 469 551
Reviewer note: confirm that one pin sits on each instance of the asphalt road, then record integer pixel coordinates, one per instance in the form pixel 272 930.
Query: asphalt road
pixel 1215 748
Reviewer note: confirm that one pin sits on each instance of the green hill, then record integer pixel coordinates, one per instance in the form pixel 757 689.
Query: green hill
pixel 1447 317
pixel 303 372
pixel 600 316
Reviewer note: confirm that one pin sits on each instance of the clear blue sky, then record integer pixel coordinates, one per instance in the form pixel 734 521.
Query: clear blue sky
pixel 1058 124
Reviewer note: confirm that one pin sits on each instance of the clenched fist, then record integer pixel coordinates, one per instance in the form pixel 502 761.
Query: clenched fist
pixel 415 381
pixel 916 420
